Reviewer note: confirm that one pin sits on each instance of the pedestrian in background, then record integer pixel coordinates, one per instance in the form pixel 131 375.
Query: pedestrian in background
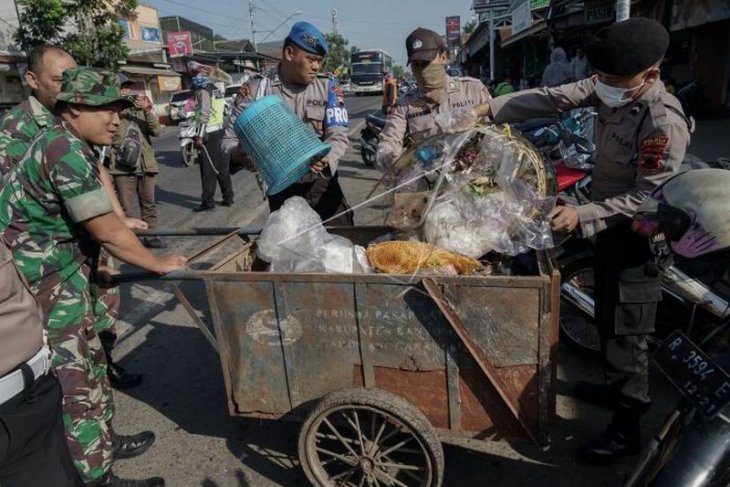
pixel 132 160
pixel 580 65
pixel 505 87
pixel 390 93
pixel 209 118
pixel 559 71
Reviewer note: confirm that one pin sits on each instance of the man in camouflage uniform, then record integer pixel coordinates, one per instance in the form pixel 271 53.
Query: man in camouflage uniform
pixel 18 128
pixel 54 211
pixel 317 100
pixel 437 93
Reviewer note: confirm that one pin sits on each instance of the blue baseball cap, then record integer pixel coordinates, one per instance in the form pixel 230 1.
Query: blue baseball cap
pixel 308 37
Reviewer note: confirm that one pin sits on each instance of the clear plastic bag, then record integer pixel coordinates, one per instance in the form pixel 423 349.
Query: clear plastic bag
pixel 492 193
pixel 294 240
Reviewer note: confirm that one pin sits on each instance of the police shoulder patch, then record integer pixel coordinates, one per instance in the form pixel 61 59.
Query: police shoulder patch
pixel 651 153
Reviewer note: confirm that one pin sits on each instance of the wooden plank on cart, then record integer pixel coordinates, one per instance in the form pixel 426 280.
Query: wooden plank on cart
pixel 476 352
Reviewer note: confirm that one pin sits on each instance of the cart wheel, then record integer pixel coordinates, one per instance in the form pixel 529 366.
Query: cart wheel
pixel 369 438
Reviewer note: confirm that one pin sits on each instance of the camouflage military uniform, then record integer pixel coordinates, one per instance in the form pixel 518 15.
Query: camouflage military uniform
pixel 43 199
pixel 18 128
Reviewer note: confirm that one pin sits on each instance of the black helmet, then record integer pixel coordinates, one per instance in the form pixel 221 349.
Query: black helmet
pixel 692 210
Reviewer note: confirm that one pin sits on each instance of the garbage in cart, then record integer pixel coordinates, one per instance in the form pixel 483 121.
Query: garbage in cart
pixel 483 193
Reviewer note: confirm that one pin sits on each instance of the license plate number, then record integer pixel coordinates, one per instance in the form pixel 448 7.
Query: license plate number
pixel 694 373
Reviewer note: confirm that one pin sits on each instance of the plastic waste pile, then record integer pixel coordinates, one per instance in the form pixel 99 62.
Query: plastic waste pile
pixel 455 198
pixel 480 190
pixel 294 240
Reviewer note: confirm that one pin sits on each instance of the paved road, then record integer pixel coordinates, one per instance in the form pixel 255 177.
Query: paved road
pixel 183 397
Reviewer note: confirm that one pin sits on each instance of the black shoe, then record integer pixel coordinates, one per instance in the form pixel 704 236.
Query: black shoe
pixel 611 446
pixel 227 203
pixel 153 242
pixel 111 480
pixel 121 379
pixel 200 208
pixel 598 394
pixel 131 446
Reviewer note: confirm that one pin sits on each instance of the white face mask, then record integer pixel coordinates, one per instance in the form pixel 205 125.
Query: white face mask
pixel 615 97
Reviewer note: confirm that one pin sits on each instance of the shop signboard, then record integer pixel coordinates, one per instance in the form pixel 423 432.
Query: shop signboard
pixel 453 31
pixel 169 83
pixel 600 11
pixel 691 13
pixel 179 44
pixel 521 15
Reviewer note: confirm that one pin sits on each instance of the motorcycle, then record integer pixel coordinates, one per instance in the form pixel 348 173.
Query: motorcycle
pixel 374 124
pixel 186 133
pixel 691 448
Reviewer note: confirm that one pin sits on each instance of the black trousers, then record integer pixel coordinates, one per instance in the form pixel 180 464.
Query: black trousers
pixel 210 162
pixel 324 195
pixel 627 291
pixel 33 451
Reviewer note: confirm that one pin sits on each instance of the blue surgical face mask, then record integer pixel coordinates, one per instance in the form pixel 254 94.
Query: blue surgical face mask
pixel 613 96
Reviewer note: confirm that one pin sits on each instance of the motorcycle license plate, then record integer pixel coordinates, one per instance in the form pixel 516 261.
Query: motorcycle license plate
pixel 695 374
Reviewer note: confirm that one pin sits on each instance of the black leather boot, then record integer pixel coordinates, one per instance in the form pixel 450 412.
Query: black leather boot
pixel 131 446
pixel 111 480
pixel 622 436
pixel 120 378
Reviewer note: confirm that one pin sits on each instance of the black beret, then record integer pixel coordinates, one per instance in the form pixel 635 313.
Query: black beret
pixel 629 47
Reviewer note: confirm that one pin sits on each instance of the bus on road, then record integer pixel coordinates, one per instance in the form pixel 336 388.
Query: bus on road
pixel 368 69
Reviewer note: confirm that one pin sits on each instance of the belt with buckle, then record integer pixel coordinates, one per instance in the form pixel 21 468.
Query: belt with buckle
pixel 12 384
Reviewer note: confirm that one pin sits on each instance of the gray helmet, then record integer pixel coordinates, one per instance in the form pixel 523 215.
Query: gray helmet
pixel 692 210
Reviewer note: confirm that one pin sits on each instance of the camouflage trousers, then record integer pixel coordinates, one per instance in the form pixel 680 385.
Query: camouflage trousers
pixel 105 301
pixel 80 365
pixel 87 401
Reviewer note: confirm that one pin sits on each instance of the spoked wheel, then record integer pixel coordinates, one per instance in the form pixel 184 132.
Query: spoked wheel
pixel 578 328
pixel 189 154
pixel 369 438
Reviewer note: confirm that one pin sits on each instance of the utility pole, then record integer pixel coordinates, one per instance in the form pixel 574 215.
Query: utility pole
pixel 334 21
pixel 253 25
pixel 491 46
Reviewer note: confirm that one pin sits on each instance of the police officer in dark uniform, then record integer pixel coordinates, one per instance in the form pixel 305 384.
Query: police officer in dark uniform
pixel 641 138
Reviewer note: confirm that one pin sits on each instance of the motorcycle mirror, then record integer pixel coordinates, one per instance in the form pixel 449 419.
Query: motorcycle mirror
pixel 583 145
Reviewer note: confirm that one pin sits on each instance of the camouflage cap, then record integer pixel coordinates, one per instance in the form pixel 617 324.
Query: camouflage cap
pixel 91 86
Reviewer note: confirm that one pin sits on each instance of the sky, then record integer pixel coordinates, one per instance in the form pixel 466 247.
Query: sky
pixel 367 24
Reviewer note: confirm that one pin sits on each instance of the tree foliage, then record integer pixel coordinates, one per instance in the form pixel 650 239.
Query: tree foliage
pixel 470 26
pixel 88 29
pixel 398 71
pixel 338 58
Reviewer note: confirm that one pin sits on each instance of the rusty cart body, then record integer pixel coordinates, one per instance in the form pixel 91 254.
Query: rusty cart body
pixel 378 366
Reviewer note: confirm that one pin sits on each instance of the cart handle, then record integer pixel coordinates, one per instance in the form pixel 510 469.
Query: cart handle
pixel 201 231
pixel 107 280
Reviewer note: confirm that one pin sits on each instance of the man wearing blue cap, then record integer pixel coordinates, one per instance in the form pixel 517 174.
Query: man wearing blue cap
pixel 314 97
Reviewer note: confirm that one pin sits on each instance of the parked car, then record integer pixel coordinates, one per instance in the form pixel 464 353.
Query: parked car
pixel 176 108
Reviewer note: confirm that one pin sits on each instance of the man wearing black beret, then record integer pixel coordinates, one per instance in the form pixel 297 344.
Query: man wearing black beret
pixel 641 138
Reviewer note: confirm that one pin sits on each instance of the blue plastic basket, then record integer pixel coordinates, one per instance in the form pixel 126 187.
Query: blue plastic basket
pixel 280 144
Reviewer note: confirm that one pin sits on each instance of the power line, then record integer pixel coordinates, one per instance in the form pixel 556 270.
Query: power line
pixel 228 17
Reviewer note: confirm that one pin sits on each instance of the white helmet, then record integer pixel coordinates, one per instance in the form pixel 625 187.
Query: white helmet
pixel 692 210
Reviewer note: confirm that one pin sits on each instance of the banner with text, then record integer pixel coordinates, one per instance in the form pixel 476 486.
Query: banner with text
pixel 179 44
pixel 453 31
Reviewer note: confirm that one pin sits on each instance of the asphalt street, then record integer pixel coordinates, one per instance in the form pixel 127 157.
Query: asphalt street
pixel 183 398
